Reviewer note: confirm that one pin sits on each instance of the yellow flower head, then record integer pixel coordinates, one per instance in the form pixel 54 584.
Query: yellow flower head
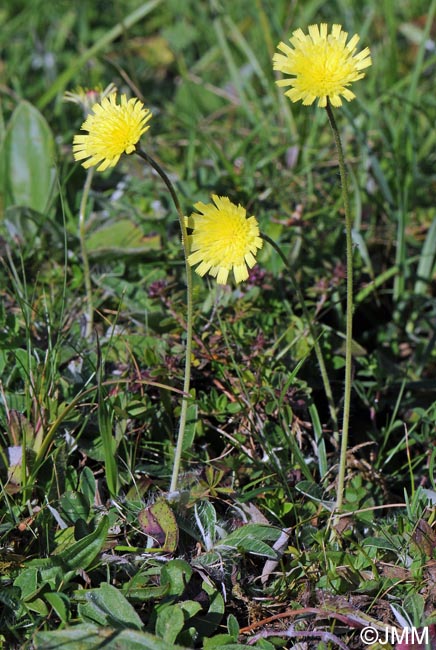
pixel 223 239
pixel 323 65
pixel 112 130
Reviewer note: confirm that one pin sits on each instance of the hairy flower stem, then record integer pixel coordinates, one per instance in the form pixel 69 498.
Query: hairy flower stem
pixel 189 318
pixel 313 333
pixel 349 311
pixel 84 253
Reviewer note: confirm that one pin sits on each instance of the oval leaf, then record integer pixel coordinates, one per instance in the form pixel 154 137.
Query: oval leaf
pixel 28 159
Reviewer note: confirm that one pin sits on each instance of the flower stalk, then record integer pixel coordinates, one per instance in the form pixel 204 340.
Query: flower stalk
pixel 349 309
pixel 322 66
pixel 85 260
pixel 113 129
pixel 189 318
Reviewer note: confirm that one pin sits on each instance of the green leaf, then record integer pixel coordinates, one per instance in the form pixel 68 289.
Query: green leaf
pixel 74 506
pixel 169 623
pixel 250 539
pixel 107 606
pixel 61 568
pixel 414 606
pixel 29 584
pixel 28 153
pixel 87 484
pixel 60 603
pixel 39 606
pixel 108 441
pixel 159 523
pixel 426 263
pixel 218 641
pixel 176 574
pixel 90 637
pixel 191 426
pixel 123 237
pixel 233 626
pixel 190 608
pixel 380 542
pixel 208 623
pixel 142 594
pixel 314 492
pixel 206 520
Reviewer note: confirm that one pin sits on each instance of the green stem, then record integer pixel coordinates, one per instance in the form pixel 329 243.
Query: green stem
pixel 85 260
pixel 189 319
pixel 349 310
pixel 313 334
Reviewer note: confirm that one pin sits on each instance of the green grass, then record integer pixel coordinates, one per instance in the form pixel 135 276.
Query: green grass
pixel 91 550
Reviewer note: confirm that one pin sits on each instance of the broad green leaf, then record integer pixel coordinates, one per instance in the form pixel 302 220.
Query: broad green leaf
pixel 74 506
pixel 39 606
pixel 90 637
pixel 191 426
pixel 176 574
pixel 209 559
pixel 108 441
pixel 414 605
pixel 87 484
pixel 107 606
pixel 142 594
pixel 219 641
pixel 62 567
pixel 251 539
pixel 29 583
pixel 190 608
pixel 28 152
pixel 159 523
pixel 60 603
pixel 169 623
pixel 122 237
pixel 233 626
pixel 380 542
pixel 314 492
pixel 206 520
pixel 206 624
pixel 64 537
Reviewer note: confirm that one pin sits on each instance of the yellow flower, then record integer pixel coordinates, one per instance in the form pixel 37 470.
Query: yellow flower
pixel 223 239
pixel 323 65
pixel 112 130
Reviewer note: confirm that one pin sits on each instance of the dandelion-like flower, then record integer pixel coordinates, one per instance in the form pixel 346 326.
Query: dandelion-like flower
pixel 323 65
pixel 223 239
pixel 113 129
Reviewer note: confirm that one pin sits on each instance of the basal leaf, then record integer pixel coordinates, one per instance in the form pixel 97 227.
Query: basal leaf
pixel 176 574
pixel 122 237
pixel 169 624
pixel 28 153
pixel 90 637
pixel 107 606
pixel 77 556
pixel 159 523
pixel 60 603
pixel 251 538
